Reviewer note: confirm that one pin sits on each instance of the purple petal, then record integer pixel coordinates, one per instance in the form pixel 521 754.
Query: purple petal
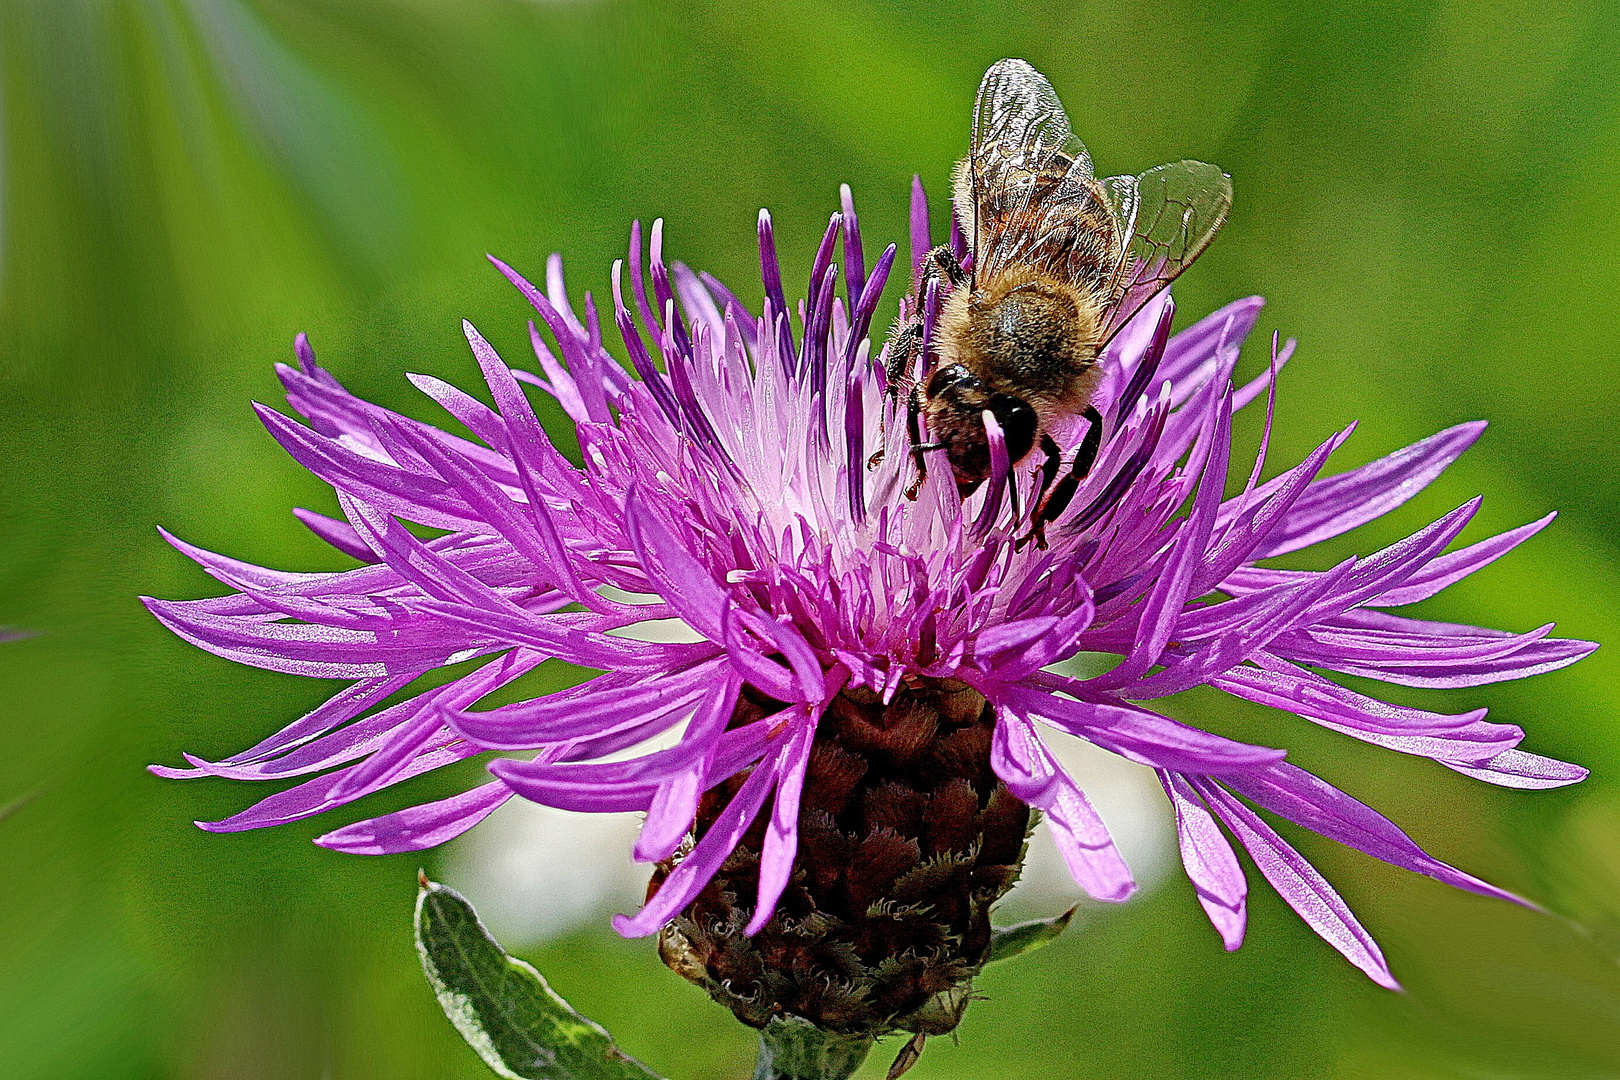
pixel 595 707
pixel 531 450
pixel 1443 663
pixel 1147 335
pixel 995 487
pixel 921 242
pixel 528 528
pixel 1394 565
pixel 1173 588
pixel 670 816
pixel 696 299
pixel 782 837
pixel 1310 801
pixel 1197 345
pixel 558 382
pixel 1339 503
pixel 340 534
pixel 1247 522
pixel 585 648
pixel 765 673
pixel 733 307
pixel 855 438
pixel 586 378
pixel 1251 623
pixel 338 709
pixel 317 795
pixel 694 871
pixel 384 729
pixel 542 782
pixel 1299 883
pixel 776 307
pixel 675 806
pixel 1466 737
pixel 1023 763
pixel 809 683
pixel 854 256
pixel 427 500
pixel 683 582
pixel 390 759
pixel 1453 566
pixel 1518 769
pixel 1209 860
pixel 303 649
pixel 473 414
pixel 417 828
pixel 1137 734
pixel 640 359
pixel 234 571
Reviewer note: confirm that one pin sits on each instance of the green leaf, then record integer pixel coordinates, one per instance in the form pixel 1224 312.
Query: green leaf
pixel 503 1008
pixel 1011 941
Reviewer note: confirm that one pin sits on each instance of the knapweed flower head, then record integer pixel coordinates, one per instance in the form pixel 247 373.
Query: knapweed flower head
pixel 855 725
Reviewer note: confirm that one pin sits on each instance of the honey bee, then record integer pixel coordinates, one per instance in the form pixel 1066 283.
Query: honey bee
pixel 1060 261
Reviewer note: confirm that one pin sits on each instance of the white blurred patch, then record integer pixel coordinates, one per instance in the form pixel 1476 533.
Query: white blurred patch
pixel 1132 805
pixel 664 630
pixel 536 873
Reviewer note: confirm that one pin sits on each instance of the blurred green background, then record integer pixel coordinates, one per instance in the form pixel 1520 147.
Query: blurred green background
pixel 1426 193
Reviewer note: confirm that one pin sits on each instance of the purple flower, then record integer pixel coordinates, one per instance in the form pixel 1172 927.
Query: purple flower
pixel 726 483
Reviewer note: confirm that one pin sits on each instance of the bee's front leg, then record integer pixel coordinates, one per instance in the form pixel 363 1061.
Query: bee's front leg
pixel 940 262
pixel 906 340
pixel 914 407
pixel 1056 499
pixel 1053 461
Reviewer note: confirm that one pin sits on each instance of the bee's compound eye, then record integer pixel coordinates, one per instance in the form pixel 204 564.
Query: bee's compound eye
pixel 952 377
pixel 1018 424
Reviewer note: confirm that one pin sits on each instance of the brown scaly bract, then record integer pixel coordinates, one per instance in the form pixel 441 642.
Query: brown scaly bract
pixel 906 840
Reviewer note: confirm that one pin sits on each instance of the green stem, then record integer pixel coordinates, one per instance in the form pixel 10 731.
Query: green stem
pixel 792 1048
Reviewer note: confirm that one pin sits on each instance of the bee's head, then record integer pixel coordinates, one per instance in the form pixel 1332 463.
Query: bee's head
pixel 957 400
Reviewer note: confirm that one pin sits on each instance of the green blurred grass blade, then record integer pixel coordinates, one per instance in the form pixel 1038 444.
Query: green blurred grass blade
pixel 503 1007
pixel 1011 941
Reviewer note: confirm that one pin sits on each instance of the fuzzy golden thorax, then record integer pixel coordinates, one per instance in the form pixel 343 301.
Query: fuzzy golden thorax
pixel 1027 334
pixel 1023 345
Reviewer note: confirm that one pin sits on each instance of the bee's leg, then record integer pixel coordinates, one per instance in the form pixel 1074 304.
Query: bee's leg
pixel 914 428
pixel 1049 467
pixel 1058 497
pixel 904 341
pixel 916 486
pixel 941 262
pixel 1087 455
pixel 918 447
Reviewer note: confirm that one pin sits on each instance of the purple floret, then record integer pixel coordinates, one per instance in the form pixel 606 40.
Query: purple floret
pixel 727 483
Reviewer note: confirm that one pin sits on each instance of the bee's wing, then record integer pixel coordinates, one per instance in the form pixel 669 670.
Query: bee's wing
pixel 1027 175
pixel 1170 213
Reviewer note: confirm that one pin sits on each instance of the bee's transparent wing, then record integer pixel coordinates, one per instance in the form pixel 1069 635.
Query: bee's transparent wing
pixel 1019 123
pixel 1028 173
pixel 1170 213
